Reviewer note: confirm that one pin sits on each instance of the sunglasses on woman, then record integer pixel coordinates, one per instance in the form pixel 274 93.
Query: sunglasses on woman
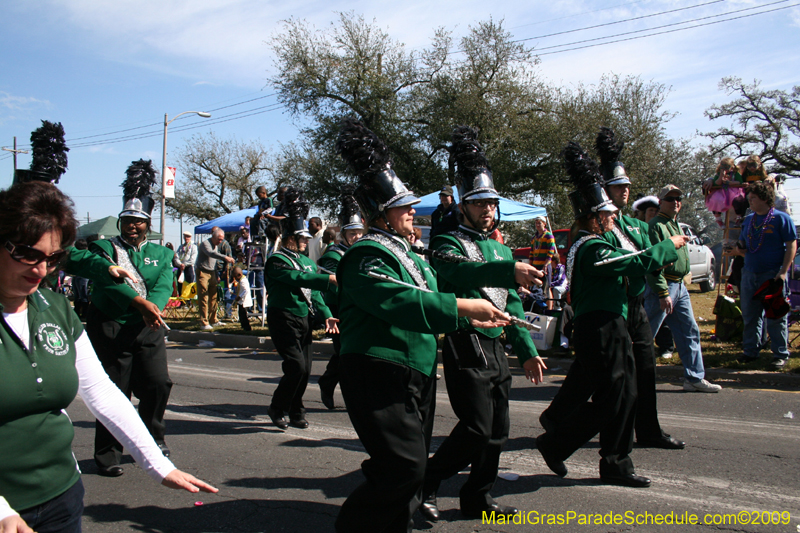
pixel 29 255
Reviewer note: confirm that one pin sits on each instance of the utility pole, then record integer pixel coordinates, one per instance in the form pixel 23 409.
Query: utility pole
pixel 15 151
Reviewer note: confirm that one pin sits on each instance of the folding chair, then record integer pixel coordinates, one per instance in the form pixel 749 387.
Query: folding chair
pixel 181 306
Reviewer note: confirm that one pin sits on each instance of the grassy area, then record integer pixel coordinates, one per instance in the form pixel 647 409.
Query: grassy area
pixel 717 354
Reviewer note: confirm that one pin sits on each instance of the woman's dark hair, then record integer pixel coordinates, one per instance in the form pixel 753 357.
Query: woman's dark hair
pixel 29 210
pixel 583 223
pixel 81 244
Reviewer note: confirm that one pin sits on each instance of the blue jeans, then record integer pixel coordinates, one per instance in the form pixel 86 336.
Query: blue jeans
pixel 683 326
pixel 62 514
pixel 753 316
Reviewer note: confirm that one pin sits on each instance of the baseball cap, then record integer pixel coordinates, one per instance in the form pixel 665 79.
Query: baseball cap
pixel 187 233
pixel 446 190
pixel 666 189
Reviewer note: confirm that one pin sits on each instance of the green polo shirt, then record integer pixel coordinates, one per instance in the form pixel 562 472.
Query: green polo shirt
pixel 662 228
pixel 637 231
pixel 36 461
pixel 284 283
pixel 604 287
pixel 386 320
pixel 464 280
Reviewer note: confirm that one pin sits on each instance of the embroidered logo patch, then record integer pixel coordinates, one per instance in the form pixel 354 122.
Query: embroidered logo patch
pixel 370 263
pixel 53 339
pixel 603 253
pixel 497 256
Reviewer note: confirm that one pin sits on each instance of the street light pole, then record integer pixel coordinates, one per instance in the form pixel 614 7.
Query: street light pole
pixel 164 164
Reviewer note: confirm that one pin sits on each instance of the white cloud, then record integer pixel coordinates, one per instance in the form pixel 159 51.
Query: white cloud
pixel 20 103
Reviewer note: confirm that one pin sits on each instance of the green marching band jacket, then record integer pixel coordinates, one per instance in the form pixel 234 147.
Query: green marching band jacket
pixel 153 262
pixel 293 284
pixel 604 287
pixel 463 280
pixel 663 227
pixel 630 234
pixel 386 320
pixel 330 262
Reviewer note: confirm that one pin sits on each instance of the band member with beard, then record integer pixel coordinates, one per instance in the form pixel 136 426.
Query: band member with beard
pixel 351 228
pixel 391 313
pixel 124 321
pixel 632 235
pixel 475 364
pixel 604 368
pixel 293 292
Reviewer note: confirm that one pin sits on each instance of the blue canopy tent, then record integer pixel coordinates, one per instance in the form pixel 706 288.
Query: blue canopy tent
pixel 510 210
pixel 228 223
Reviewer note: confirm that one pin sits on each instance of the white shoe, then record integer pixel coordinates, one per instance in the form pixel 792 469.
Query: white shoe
pixel 218 324
pixel 207 327
pixel 700 386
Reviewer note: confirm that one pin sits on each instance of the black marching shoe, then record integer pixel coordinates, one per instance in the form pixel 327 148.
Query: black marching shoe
pixel 665 442
pixel 277 418
pixel 110 471
pixel 626 480
pixel 164 449
pixel 558 467
pixel 298 421
pixel 327 398
pixel 429 508
pixel 496 508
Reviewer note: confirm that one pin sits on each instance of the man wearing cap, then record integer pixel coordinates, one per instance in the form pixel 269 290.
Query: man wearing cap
pixel 768 243
pixel 543 245
pixel 207 256
pixel 632 235
pixel 667 299
pixel 187 256
pixel 444 216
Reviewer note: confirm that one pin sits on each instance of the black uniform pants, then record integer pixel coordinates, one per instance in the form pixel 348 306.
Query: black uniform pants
pixel 135 358
pixel 646 425
pixel 291 335
pixel 479 397
pixel 391 407
pixel 604 370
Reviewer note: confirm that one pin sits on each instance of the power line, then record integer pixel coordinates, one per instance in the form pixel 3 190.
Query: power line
pixel 661 32
pixel 621 21
pixel 576 15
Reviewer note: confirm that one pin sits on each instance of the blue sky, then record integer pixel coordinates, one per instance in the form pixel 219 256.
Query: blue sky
pixel 102 66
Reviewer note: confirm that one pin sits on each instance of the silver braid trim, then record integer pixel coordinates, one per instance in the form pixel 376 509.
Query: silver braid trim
pixel 124 261
pixel 627 244
pixel 573 252
pixel 498 296
pixel 400 253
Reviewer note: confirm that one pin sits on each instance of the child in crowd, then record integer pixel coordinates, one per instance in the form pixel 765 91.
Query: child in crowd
pixel 258 224
pixel 243 298
pixel 721 191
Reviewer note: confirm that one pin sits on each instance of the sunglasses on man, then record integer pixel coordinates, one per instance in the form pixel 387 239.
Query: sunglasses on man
pixel 29 255
pixel 673 199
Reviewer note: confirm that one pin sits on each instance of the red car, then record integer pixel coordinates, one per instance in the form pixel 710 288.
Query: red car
pixel 563 243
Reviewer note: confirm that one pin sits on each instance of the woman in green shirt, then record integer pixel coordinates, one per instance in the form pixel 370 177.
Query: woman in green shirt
pixel 45 360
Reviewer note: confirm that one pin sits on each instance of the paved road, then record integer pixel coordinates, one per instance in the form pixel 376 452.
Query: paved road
pixel 742 455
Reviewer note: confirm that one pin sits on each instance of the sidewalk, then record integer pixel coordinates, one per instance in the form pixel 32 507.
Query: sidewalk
pixel 751 378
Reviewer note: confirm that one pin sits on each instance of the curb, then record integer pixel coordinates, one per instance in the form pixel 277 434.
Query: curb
pixel 756 378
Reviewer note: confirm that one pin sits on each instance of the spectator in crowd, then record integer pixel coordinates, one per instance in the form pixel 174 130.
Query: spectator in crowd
pixel 259 222
pixel 243 299
pixel 315 245
pixel 207 256
pixel 543 245
pixel 667 299
pixel 768 243
pixel 243 238
pixel 444 217
pixel 187 258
